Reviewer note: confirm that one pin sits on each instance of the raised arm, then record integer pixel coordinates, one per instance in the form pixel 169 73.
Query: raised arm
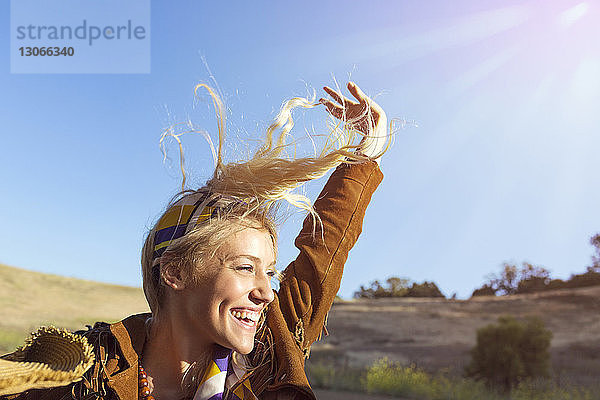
pixel 313 279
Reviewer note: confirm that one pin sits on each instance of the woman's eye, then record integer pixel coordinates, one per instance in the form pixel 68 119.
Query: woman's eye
pixel 248 268
pixel 271 274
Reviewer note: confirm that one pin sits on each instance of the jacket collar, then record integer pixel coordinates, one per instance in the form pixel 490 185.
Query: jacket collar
pixel 130 335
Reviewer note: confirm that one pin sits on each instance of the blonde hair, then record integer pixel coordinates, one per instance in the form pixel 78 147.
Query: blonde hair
pixel 259 184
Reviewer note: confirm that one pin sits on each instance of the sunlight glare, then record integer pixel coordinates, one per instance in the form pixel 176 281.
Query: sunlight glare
pixel 570 16
pixel 581 102
pixel 481 71
pixel 460 32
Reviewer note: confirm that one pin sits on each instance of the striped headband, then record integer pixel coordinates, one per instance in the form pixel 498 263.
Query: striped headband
pixel 186 214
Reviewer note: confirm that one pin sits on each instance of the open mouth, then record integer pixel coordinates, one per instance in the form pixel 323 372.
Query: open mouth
pixel 247 318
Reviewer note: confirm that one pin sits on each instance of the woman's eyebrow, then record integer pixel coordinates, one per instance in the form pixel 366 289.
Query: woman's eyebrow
pixel 249 256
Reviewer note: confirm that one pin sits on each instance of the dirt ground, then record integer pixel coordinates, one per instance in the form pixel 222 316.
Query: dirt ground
pixel 438 333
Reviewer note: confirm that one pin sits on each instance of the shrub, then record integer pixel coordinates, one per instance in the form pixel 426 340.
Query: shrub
pixel 394 379
pixel 389 378
pixel 485 290
pixel 510 351
pixel 386 377
pixel 533 284
pixel 512 279
pixel 589 278
pixel 398 287
pixel 556 284
pixel 530 278
pixel 425 289
pixel 395 287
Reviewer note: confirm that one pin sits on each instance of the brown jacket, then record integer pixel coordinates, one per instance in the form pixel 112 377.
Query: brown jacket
pixel 295 319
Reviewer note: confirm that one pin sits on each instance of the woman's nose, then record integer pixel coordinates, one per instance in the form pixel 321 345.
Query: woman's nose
pixel 262 291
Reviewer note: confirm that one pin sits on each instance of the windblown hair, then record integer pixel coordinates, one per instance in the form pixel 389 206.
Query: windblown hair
pixel 259 184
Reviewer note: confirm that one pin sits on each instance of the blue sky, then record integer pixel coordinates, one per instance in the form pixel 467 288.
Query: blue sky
pixel 500 165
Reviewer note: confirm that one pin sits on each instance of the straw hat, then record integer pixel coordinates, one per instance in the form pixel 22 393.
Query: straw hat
pixel 51 357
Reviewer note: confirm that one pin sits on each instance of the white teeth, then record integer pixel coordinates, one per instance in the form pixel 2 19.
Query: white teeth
pixel 251 315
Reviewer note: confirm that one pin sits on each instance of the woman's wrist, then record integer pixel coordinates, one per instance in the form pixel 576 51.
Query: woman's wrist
pixel 373 145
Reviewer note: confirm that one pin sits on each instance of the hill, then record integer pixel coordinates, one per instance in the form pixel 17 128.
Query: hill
pixel 433 333
pixel 439 333
pixel 30 299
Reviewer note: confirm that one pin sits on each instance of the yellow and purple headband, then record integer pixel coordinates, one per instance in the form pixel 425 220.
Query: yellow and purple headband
pixel 186 214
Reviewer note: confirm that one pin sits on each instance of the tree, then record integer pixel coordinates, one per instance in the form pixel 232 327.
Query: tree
pixel 398 287
pixel 485 290
pixel 595 241
pixel 509 351
pixel 425 289
pixel 512 280
pixel 589 278
pixel 532 279
pixel 506 282
pixel 375 290
pixel 556 284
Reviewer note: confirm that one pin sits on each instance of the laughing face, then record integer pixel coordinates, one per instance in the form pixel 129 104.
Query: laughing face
pixel 225 306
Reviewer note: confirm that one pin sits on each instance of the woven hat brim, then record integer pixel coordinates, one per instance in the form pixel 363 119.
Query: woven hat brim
pixel 51 357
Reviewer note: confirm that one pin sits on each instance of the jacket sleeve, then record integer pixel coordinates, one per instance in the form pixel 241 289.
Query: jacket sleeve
pixel 312 280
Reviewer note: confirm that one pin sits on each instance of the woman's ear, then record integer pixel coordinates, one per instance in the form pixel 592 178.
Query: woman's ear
pixel 172 275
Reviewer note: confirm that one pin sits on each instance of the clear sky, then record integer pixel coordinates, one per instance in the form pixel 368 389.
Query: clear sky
pixel 501 163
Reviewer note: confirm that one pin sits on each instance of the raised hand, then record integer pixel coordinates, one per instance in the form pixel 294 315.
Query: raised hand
pixel 363 115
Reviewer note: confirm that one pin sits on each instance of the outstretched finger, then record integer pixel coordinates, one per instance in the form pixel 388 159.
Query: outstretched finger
pixel 336 96
pixel 333 109
pixel 358 93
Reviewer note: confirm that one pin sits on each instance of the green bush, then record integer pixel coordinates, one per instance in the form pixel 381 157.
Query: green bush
pixel 389 378
pixel 386 377
pixel 509 352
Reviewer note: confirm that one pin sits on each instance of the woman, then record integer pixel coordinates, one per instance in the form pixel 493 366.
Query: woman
pixel 216 329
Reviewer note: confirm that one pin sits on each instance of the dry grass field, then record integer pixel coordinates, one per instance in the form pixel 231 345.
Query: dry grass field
pixel 31 299
pixel 433 333
pixel 438 333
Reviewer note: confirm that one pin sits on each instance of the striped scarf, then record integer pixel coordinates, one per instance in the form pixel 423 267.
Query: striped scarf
pixel 223 373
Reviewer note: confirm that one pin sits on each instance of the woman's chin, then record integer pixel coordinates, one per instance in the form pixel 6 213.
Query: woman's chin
pixel 245 350
pixel 240 335
pixel 242 348
pixel 238 344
